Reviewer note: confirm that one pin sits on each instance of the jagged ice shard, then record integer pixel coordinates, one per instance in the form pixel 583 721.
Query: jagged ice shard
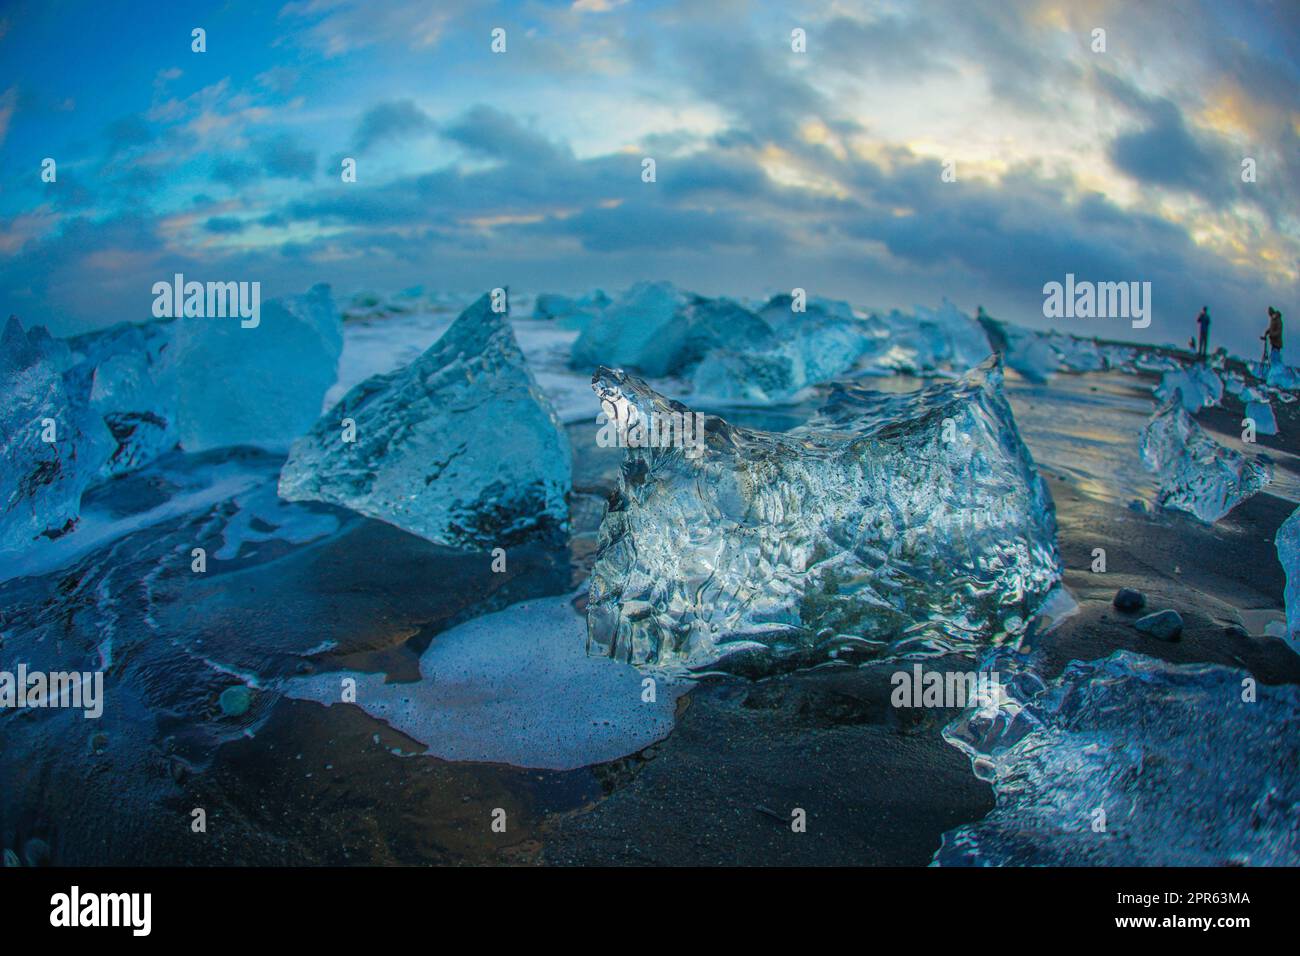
pixel 1287 541
pixel 123 376
pixel 888 523
pixel 1187 772
pixel 50 447
pixel 1197 474
pixel 460 447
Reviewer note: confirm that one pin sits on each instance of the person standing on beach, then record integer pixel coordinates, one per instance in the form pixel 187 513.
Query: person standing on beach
pixel 1274 335
pixel 1203 323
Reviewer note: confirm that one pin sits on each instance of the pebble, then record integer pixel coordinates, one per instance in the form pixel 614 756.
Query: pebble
pixel 235 701
pixel 1130 599
pixel 36 852
pixel 1165 625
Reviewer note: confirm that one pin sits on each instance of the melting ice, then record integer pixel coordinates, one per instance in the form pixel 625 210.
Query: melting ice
pixel 460 447
pixel 1185 770
pixel 889 522
pixel 1197 474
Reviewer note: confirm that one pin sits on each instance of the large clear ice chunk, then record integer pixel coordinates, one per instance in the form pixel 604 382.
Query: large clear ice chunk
pixel 50 447
pixel 460 447
pixel 1198 386
pixel 262 385
pixel 888 523
pixel 1196 473
pixel 1185 769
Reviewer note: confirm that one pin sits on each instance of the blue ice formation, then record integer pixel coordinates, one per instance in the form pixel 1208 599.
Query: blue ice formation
pixel 51 449
pixel 570 312
pixel 1196 473
pixel 1130 761
pixel 890 522
pixel 460 447
pixel 661 330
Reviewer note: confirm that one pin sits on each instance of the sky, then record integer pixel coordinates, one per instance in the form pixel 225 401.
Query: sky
pixel 912 151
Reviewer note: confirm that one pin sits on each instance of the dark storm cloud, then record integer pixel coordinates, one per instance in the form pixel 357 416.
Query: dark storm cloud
pixel 1164 151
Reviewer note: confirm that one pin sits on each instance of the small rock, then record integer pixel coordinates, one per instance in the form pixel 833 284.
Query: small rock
pixel 1130 599
pixel 235 701
pixel 36 852
pixel 1165 625
pixel 1235 630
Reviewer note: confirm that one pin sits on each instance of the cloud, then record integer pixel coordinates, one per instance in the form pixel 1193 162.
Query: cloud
pixel 337 27
pixel 282 156
pixel 390 122
pixel 1165 152
pixel 224 225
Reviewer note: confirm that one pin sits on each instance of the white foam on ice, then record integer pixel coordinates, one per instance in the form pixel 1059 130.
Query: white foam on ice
pixel 515 687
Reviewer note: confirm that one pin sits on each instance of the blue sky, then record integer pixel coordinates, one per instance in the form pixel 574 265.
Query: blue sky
pixel 775 169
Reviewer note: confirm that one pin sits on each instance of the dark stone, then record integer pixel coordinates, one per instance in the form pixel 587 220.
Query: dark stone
pixel 1130 599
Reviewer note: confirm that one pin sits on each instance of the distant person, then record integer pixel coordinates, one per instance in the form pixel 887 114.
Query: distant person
pixel 1203 324
pixel 1274 336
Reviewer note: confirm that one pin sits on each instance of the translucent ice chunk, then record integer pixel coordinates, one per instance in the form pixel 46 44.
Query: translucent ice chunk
pixel 50 448
pixel 1287 541
pixel 1262 414
pixel 121 375
pixel 660 330
pixel 1185 771
pixel 746 377
pixel 1237 385
pixel 1199 386
pixel 888 523
pixel 1078 355
pixel 1029 353
pixel 572 313
pixel 933 340
pixel 460 447
pixel 256 386
pixel 1283 376
pixel 1197 474
pixel 819 344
